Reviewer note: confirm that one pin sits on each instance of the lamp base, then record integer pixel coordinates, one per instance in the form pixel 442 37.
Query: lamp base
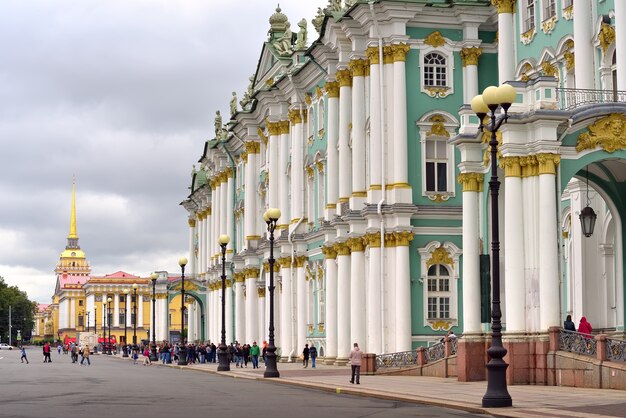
pixel 270 363
pixel 153 353
pixel 182 356
pixel 497 395
pixel 124 350
pixel 222 355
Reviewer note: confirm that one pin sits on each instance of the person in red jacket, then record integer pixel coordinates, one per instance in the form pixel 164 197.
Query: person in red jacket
pixel 585 327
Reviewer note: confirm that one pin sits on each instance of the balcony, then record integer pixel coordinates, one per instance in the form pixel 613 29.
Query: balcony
pixel 570 99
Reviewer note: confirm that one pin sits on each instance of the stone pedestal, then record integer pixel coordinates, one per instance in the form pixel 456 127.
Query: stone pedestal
pixel 472 357
pixel 368 363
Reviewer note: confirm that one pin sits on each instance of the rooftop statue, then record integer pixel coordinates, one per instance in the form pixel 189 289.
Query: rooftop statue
pixel 334 5
pixel 233 104
pixel 301 39
pixel 318 20
pixel 247 96
pixel 218 123
pixel 283 44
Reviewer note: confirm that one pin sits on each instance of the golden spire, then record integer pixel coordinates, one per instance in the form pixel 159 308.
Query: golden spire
pixel 73 233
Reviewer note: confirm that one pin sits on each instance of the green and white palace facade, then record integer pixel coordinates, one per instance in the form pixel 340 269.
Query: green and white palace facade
pixel 365 141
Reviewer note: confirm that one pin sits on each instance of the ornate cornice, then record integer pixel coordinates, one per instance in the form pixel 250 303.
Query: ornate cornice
pixel 440 256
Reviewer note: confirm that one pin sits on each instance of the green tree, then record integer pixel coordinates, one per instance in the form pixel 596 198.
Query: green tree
pixel 22 312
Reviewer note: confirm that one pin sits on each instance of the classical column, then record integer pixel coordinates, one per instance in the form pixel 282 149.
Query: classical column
pixel 357 292
pixel 345 154
pixel 330 322
pixel 284 203
pixel 286 332
pixel 263 327
pixel 400 145
pixel 375 153
pixel 217 311
pixel 192 254
pixel 301 298
pixel 274 172
pixel 116 310
pixel 506 39
pixel 403 291
pixel 298 118
pixel 343 302
pixel 332 155
pixel 163 315
pixel 212 246
pixel 230 336
pixel 584 50
pixel 139 311
pixel 373 295
pixel 230 206
pixel 472 185
pixel 250 198
pixel 240 308
pixel 252 298
pixel 224 214
pixel 389 295
pixel 469 59
pixel 388 111
pixel 90 303
pixel 73 313
pixel 358 68
pixel 514 267
pixel 620 43
pixel 548 242
pixel 191 325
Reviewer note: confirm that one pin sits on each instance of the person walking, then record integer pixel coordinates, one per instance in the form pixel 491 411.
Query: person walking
pixel 59 348
pixel 585 327
pixel 569 325
pixel 85 355
pixel 313 354
pixel 305 356
pixel 255 350
pixel 23 350
pixel 46 353
pixel 355 362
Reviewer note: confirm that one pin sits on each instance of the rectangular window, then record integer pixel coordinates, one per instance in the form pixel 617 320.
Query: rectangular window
pixel 549 9
pixel 529 17
pixel 432 308
pixel 132 318
pixel 122 299
pixel 80 303
pixel 122 318
pixel 436 166
pixel 81 321
pixel 444 308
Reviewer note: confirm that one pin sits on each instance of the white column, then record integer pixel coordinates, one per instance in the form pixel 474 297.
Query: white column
pixel 374 319
pixel 403 292
pixel 251 306
pixel 472 184
pixel 344 344
pixel 389 294
pixel 274 171
pixel 162 319
pixel 301 304
pixel 139 312
pixel 72 312
pixel 620 43
pixel 583 45
pixel 388 112
pixel 191 323
pixel 330 322
pixel 469 57
pixel 359 68
pixel 224 214
pixel 116 310
pixel 261 324
pixel 283 178
pixel 286 341
pixel 212 245
pixel 506 42
pixel 375 128
pixel 332 154
pixel 357 292
pixel 90 303
pixel 514 268
pixel 400 145
pixel 251 194
pixel 128 318
pixel 298 118
pixel 240 311
pixel 548 243
pixel 230 208
pixel 230 337
pixel 193 269
pixel 345 116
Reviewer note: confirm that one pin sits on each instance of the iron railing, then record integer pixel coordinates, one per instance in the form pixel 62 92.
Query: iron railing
pixel 615 350
pixel 400 359
pixel 570 99
pixel 435 352
pixel 576 342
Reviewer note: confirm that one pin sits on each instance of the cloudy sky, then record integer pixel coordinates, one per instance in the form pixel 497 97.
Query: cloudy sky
pixel 121 94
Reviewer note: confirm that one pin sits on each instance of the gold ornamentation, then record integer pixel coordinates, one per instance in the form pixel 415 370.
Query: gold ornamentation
pixel 329 252
pixel 504 6
pixel 435 39
pixel 344 78
pixel 251 272
pixel 440 256
pixel 548 163
pixel 269 82
pixel 606 36
pixel 295 117
pixel 320 167
pixel 356 244
pixel 320 133
pixel 569 60
pixel 318 92
pixel 512 167
pixel 273 128
pixel 438 197
pixel 240 277
pixel 440 325
pixel 372 239
pixel 547 26
pixel 309 171
pixel 608 133
pixel 261 291
pixel 358 67
pixel 387 55
pixel 284 262
pixel 390 240
pixel 549 69
pixel 307 99
pixel 191 222
pixel 527 68
pixel 332 88
pixel 341 248
pixel 399 52
pixel 437 92
pixel 469 56
pixel 403 238
pixel 299 261
pixel 568 12
pixel 472 182
pixel 528 36
pixel 438 129
pixel 262 135
pixel 372 55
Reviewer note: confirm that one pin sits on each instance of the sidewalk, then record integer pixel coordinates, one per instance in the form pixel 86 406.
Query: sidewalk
pixel 528 401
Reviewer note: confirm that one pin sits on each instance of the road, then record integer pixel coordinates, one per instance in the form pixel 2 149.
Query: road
pixel 113 386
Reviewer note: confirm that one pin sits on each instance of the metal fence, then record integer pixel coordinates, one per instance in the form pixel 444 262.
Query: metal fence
pixel 615 350
pixel 400 359
pixel 435 352
pixel 576 342
pixel 570 99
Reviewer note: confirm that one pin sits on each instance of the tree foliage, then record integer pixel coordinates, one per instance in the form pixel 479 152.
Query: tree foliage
pixel 22 312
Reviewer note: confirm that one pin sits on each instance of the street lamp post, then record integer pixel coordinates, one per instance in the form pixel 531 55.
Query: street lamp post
pixel 224 364
pixel 153 350
pixel 135 286
pixel 87 321
pixel 95 326
pixel 109 300
pixel 271 218
pixel 125 347
pixel 182 350
pixel 493 97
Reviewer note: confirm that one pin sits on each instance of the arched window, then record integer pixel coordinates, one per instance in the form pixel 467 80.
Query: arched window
pixel 435 70
pixel 438 292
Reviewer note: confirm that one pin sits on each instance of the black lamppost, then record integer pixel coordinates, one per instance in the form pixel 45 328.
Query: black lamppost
pixel 125 347
pixel 224 364
pixel 493 97
pixel 87 321
pixel 271 217
pixel 153 352
pixel 95 326
pixel 135 286
pixel 109 300
pixel 182 350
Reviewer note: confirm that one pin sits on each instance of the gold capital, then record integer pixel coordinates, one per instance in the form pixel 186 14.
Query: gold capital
pixel 512 166
pixel 469 56
pixel 399 52
pixel 403 238
pixel 344 78
pixel 284 262
pixel 548 163
pixel 372 55
pixel 472 182
pixel 191 222
pixel 358 67
pixel 356 244
pixel 273 128
pixel 300 260
pixel 329 252
pixel 372 239
pixel 341 248
pixel 332 88
pixel 504 6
